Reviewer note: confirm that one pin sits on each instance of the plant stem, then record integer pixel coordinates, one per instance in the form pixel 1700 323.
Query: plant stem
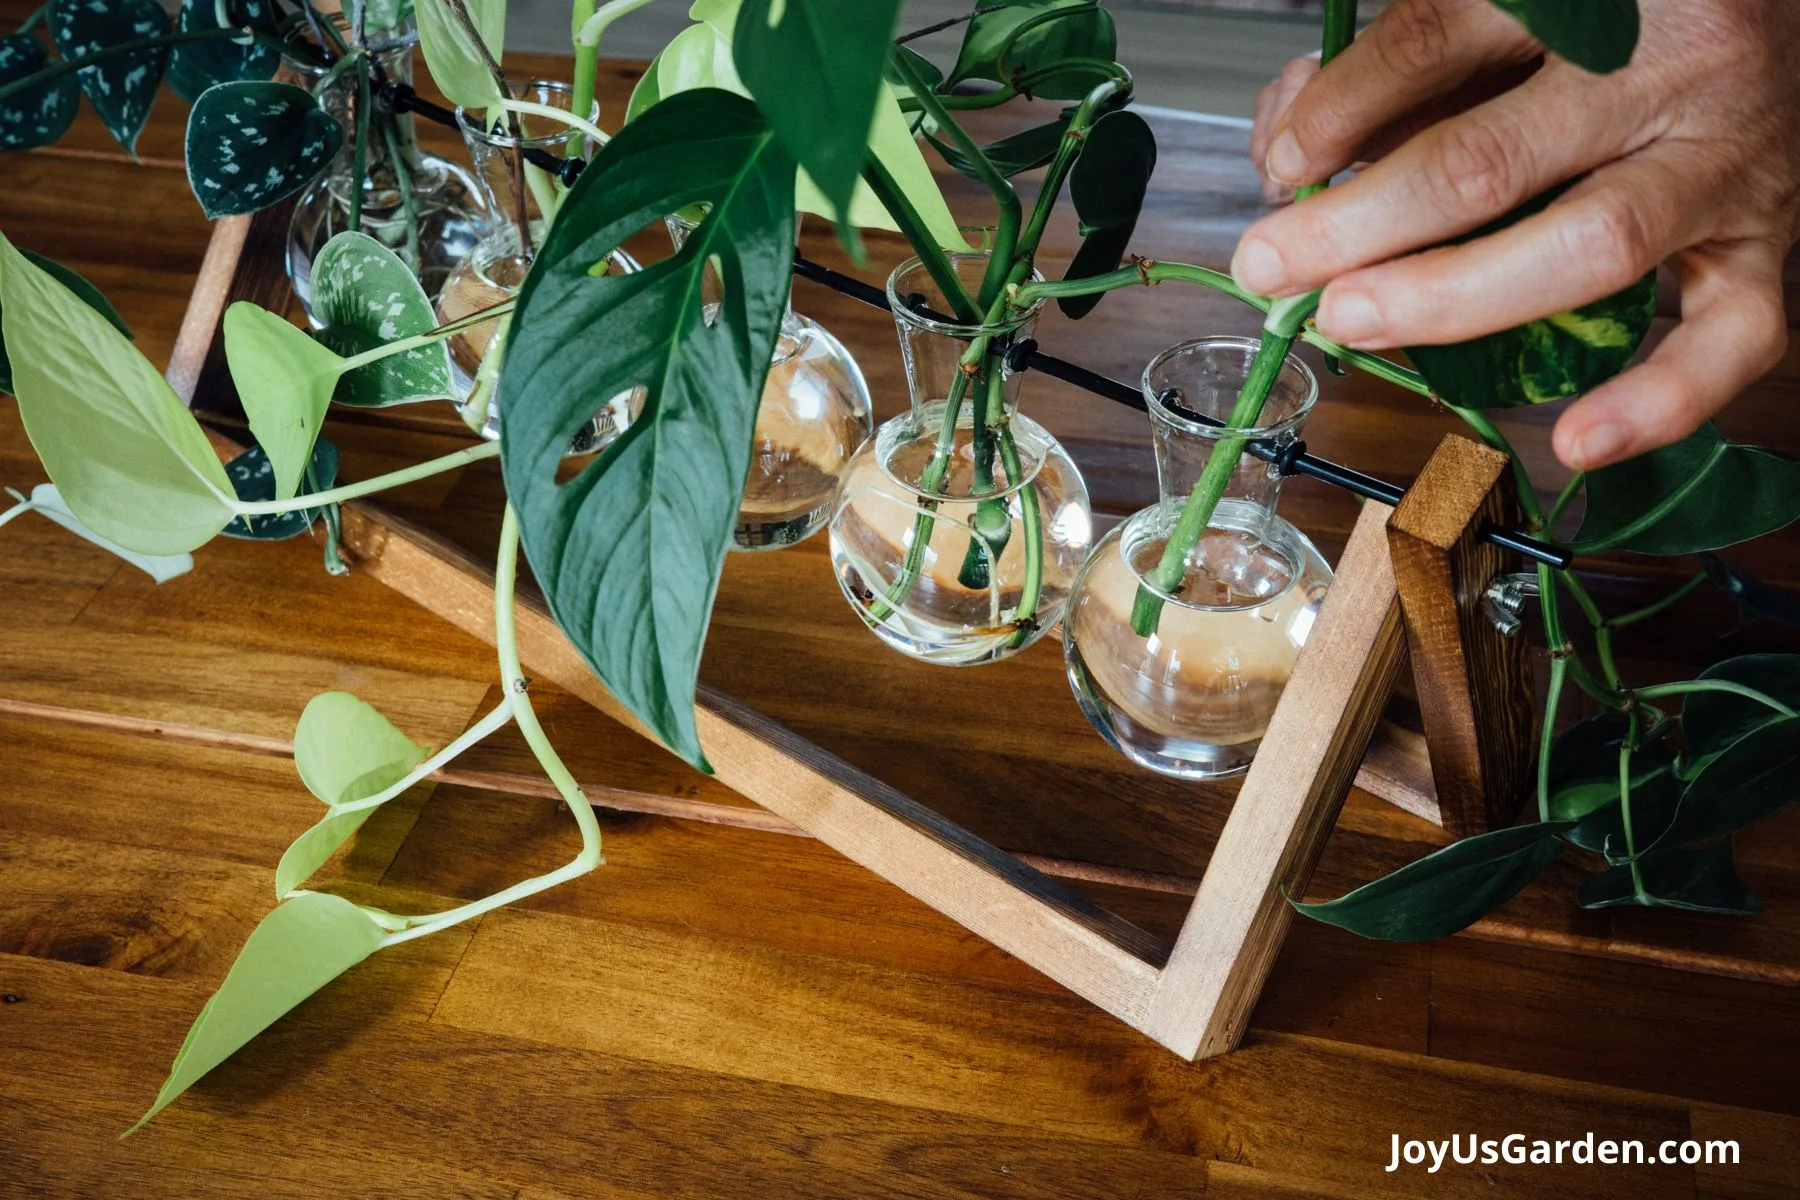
pixel 359 153
pixel 446 330
pixel 68 66
pixel 912 227
pixel 1713 685
pixel 409 206
pixel 589 25
pixel 1031 520
pixel 947 23
pixel 1563 499
pixel 1667 602
pixel 1625 751
pixel 1067 151
pixel 351 491
pixel 534 109
pixel 1339 32
pixel 501 714
pixel 32 18
pixel 1547 736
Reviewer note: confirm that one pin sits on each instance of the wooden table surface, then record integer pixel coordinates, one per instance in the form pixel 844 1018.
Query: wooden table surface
pixel 724 1010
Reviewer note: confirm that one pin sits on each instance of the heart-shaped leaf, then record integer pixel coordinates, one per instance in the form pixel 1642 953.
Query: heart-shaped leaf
pixel 366 297
pixel 700 57
pixel 1712 721
pixel 1447 890
pixel 1704 880
pixel 38 115
pixel 298 949
pixel 994 47
pixel 455 58
pixel 1756 598
pixel 815 68
pixel 1702 493
pixel 196 66
pixel 1598 35
pixel 87 292
pixel 47 502
pixel 1584 778
pixel 1108 185
pixel 629 551
pixel 253 478
pixel 1748 781
pixel 250 144
pixel 120 89
pixel 126 455
pixel 284 380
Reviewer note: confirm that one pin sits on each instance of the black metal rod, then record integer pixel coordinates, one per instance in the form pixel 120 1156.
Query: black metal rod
pixel 1293 460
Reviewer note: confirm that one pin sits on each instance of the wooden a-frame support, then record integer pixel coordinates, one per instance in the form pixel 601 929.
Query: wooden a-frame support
pixel 1194 996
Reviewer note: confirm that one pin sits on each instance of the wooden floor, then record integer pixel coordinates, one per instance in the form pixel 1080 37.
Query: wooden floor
pixel 727 1010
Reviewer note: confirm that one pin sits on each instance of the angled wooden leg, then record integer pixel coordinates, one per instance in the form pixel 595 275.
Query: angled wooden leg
pixel 1474 682
pixel 1287 806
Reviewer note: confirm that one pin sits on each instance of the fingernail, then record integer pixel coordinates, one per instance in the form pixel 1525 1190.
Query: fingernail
pixel 1600 445
pixel 1258 266
pixel 1286 162
pixel 1349 316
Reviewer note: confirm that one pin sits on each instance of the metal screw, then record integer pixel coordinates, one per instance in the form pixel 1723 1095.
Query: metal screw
pixel 1505 599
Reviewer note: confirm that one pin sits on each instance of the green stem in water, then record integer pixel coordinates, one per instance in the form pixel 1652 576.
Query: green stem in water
pixel 992 519
pixel 1031 521
pixel 68 66
pixel 409 206
pixel 352 491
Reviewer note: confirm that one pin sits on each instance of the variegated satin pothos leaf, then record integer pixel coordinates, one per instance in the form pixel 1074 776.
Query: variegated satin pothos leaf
pixel 250 144
pixel 120 89
pixel 253 479
pixel 1549 359
pixel 38 115
pixel 366 297
pixel 196 66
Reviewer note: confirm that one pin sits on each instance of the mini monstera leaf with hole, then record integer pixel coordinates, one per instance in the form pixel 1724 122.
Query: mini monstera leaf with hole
pixel 629 551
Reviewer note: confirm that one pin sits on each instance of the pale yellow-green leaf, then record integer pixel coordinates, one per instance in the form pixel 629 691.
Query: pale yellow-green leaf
pixel 299 948
pixel 311 849
pixel 127 457
pixel 346 750
pixel 452 57
pixel 285 380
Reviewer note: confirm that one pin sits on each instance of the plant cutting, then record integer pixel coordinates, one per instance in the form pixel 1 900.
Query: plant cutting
pixel 742 123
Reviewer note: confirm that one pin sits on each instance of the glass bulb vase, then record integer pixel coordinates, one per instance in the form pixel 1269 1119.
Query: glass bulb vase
pixel 1193 699
pixel 954 544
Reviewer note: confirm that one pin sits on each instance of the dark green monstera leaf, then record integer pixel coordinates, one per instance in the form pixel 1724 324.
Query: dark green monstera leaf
pixel 88 294
pixel 1010 43
pixel 1756 598
pixel 1704 880
pixel 1108 185
pixel 250 144
pixel 1448 890
pixel 1598 35
pixel 366 297
pixel 629 551
pixel 1702 493
pixel 38 115
pixel 196 66
pixel 253 478
pixel 120 89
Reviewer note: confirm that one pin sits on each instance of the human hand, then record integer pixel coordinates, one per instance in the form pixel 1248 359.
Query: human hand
pixel 1690 157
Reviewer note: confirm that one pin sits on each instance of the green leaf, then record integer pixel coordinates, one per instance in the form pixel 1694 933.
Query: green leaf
pixel 1598 35
pixel 1447 890
pixel 994 48
pixel 87 292
pixel 1755 597
pixel 629 551
pixel 1712 721
pixel 1702 493
pixel 1704 880
pixel 38 115
pixel 1752 778
pixel 700 57
pixel 285 381
pixel 126 455
pixel 1108 185
pixel 251 144
pixel 298 949
pixel 345 750
pixel 196 66
pixel 454 58
pixel 120 89
pixel 1026 150
pixel 253 478
pixel 48 503
pixel 366 297
pixel 385 15
pixel 815 69
pixel 1655 796
pixel 1587 754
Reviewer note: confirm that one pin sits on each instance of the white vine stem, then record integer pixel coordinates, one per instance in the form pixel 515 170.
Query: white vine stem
pixel 352 491
pixel 533 109
pixel 512 678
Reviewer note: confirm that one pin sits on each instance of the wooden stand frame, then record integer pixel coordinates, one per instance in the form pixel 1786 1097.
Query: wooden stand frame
pixel 1195 996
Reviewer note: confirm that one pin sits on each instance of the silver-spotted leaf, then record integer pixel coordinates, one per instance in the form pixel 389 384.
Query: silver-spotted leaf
pixel 629 550
pixel 299 948
pixel 366 297
pixel 38 115
pixel 1702 493
pixel 121 89
pixel 196 66
pixel 88 293
pixel 126 455
pixel 250 144
pixel 284 380
pixel 253 478
pixel 1599 35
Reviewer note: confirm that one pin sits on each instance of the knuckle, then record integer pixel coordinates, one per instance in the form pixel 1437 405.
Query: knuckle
pixel 1413 35
pixel 1766 328
pixel 1615 241
pixel 1480 167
